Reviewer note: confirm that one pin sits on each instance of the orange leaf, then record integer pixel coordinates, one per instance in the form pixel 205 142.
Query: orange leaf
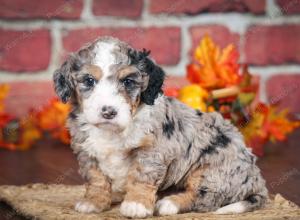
pixel 4 89
pixel 29 134
pixel 278 125
pixel 171 91
pixel 215 68
pixel 53 115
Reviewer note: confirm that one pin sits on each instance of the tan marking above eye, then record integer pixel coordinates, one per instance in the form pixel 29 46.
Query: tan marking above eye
pixel 122 73
pixel 95 71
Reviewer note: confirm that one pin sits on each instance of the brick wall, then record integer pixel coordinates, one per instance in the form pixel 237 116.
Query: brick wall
pixel 36 34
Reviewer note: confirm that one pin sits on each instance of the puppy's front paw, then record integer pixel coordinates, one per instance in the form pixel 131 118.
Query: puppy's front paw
pixel 166 207
pixel 86 207
pixel 134 210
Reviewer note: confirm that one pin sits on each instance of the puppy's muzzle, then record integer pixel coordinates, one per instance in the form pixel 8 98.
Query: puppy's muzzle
pixel 108 112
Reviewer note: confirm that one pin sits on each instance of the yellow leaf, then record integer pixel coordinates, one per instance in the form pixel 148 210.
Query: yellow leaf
pixel 253 127
pixel 194 96
pixel 246 98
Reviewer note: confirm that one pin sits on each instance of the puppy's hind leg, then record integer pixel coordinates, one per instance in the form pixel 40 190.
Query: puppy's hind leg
pixel 181 202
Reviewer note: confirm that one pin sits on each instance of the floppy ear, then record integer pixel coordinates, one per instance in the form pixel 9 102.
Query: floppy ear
pixel 156 80
pixel 63 84
pixel 155 74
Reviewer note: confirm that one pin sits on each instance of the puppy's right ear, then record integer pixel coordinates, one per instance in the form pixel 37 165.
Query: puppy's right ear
pixel 63 84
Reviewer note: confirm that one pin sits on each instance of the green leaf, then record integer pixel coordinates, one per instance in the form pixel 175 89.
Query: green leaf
pixel 246 98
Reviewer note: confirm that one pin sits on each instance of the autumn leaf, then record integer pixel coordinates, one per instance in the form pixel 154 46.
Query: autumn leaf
pixel 5 118
pixel 4 89
pixel 8 146
pixel 267 123
pixel 63 135
pixel 246 98
pixel 253 126
pixel 171 92
pixel 216 68
pixel 52 118
pixel 278 125
pixel 30 133
pixel 194 96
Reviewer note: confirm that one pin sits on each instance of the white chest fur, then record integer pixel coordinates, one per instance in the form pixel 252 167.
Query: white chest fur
pixel 109 149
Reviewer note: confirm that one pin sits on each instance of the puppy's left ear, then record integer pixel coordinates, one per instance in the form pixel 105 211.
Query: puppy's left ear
pixel 155 75
pixel 156 80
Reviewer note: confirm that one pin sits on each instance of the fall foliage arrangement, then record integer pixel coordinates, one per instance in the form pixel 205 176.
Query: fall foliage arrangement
pixel 217 83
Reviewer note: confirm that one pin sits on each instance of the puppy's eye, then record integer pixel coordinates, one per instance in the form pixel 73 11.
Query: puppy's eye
pixel 128 82
pixel 89 81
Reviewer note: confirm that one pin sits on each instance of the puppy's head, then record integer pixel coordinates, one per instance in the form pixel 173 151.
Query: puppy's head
pixel 107 81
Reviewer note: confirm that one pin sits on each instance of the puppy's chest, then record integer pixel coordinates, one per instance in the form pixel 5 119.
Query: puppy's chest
pixel 112 158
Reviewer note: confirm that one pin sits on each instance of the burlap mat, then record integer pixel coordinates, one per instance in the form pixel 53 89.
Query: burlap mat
pixel 56 202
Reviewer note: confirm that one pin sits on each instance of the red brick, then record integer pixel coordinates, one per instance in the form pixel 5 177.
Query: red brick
pixel 272 44
pixel 122 8
pixel 175 81
pixel 45 9
pixel 220 34
pixel 24 96
pixel 289 6
pixel 164 43
pixel 196 7
pixel 24 50
pixel 284 90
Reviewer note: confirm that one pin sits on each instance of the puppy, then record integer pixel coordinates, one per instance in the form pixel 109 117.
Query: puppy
pixel 132 142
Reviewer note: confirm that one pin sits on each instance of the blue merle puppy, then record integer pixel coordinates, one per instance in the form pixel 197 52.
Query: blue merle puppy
pixel 132 141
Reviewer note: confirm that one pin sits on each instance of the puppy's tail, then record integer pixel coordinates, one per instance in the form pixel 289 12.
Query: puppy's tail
pixel 249 204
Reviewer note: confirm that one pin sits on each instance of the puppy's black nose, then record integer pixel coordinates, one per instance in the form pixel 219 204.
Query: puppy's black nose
pixel 108 112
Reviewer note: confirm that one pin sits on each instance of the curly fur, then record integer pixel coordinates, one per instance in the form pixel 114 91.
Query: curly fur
pixel 164 144
pixel 156 74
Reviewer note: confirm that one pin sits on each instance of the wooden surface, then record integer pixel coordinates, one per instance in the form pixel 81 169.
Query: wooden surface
pixel 51 162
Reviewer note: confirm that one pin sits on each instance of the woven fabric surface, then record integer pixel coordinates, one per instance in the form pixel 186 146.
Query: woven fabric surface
pixel 42 201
